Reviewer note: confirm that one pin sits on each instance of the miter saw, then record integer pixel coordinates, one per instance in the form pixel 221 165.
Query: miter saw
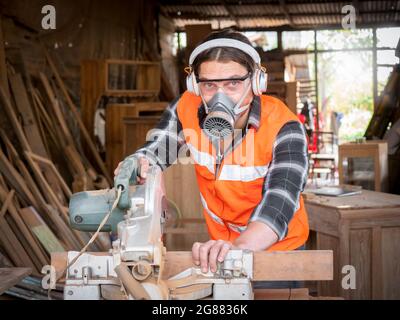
pixel 134 266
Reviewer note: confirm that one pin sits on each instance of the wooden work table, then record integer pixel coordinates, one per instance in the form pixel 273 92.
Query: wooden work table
pixel 363 231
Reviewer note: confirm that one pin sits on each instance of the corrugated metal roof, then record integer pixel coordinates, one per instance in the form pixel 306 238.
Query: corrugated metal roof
pixel 248 14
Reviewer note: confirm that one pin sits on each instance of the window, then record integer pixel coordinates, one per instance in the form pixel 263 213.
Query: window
pixel 179 42
pixel 344 39
pixel 387 39
pixel 298 40
pixel 265 40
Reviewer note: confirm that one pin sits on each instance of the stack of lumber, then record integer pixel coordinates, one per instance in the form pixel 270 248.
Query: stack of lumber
pixel 41 165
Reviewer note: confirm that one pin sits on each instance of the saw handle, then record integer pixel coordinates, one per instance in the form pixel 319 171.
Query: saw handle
pixel 127 175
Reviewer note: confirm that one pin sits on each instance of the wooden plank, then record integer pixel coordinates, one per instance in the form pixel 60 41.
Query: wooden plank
pixel 29 122
pixel 52 198
pixel 3 74
pixel 77 115
pixel 9 277
pixel 39 228
pixel 74 160
pixel 52 167
pixel 304 265
pixel 6 203
pixel 14 120
pixel 13 247
pixel 16 180
pixel 31 184
pixel 39 202
pixel 46 189
pixel 56 109
pixel 25 244
pixel 48 123
pixel 20 223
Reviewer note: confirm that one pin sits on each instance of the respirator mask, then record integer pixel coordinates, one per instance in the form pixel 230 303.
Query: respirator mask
pixel 222 113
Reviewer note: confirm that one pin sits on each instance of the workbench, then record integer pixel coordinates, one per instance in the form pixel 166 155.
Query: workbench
pixel 363 231
pixel 298 265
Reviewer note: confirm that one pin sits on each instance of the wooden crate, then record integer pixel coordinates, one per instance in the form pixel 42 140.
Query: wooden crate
pixel 363 231
pixel 375 178
pixel 115 113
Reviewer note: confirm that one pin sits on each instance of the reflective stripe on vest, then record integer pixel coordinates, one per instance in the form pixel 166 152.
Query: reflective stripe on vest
pixel 241 173
pixel 233 227
pixel 228 172
pixel 210 213
pixel 202 158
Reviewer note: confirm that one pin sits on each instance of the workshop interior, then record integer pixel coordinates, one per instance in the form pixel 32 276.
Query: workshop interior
pixel 84 85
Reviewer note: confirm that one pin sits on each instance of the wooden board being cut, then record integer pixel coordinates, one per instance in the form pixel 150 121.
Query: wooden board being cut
pixel 298 265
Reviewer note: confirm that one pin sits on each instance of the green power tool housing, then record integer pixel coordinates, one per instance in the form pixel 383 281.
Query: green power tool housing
pixel 87 209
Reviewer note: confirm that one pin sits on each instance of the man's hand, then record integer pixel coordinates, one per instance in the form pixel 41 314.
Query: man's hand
pixel 143 168
pixel 209 253
pixel 257 237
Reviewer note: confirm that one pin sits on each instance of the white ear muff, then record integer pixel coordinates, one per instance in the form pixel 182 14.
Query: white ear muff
pixel 259 82
pixel 263 81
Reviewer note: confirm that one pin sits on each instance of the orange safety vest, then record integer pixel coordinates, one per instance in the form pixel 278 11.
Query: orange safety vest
pixel 230 195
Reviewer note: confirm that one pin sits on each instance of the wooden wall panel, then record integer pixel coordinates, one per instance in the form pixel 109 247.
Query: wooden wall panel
pixel 329 288
pixel 360 258
pixel 391 262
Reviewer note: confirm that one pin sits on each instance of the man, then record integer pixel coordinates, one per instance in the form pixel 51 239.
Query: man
pixel 249 150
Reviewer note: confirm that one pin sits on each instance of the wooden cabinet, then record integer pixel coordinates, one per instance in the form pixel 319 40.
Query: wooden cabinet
pixel 363 231
pixel 115 114
pixel 136 131
pixel 117 79
pixel 364 164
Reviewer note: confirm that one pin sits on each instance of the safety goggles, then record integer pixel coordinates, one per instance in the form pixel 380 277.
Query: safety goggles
pixel 230 86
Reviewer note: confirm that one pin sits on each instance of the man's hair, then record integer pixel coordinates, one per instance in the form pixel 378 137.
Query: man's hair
pixel 225 54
